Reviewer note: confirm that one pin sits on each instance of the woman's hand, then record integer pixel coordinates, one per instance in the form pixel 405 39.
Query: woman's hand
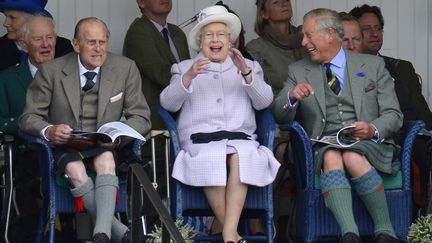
pixel 199 67
pixel 240 63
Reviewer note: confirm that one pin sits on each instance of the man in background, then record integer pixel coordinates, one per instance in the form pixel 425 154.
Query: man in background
pixel 155 45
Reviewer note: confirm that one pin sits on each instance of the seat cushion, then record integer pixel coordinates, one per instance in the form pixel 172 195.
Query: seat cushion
pixel 391 182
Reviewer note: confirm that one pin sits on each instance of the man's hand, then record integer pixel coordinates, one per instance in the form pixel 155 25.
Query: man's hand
pixel 362 130
pixel 58 134
pixel 301 91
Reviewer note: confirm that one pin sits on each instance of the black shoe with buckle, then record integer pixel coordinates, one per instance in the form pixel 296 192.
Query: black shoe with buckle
pixel 100 238
pixel 350 238
pixel 385 238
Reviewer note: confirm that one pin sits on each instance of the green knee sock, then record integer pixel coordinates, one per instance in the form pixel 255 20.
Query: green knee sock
pixel 370 188
pixel 336 190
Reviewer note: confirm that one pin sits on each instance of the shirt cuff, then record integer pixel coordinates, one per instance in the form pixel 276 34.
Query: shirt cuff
pixel 42 133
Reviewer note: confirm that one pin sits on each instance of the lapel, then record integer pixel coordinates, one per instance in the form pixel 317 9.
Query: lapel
pixel 71 84
pixel 106 85
pixel 355 75
pixel 23 73
pixel 314 75
pixel 159 41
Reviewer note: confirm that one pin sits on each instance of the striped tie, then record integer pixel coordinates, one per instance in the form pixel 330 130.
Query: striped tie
pixel 332 80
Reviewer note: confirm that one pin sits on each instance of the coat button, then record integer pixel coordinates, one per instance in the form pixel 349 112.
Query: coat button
pixel 215 76
pixel 323 120
pixel 219 100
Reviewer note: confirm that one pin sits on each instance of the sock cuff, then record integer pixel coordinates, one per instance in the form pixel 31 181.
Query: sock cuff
pixel 334 179
pixel 83 189
pixel 106 180
pixel 369 182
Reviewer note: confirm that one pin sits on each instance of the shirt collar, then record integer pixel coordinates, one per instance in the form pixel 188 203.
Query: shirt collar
pixel 83 70
pixel 340 59
pixel 158 26
pixel 33 68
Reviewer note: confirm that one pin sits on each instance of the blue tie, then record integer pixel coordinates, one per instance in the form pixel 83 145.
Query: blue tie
pixel 165 35
pixel 89 82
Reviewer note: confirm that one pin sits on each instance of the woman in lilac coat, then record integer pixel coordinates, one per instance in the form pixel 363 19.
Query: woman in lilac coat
pixel 217 94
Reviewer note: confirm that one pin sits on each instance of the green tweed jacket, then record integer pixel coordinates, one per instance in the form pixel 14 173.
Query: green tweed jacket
pixel 372 88
pixel 13 87
pixel 146 46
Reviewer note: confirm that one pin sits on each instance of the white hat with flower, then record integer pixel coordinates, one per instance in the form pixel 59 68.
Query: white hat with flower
pixel 214 14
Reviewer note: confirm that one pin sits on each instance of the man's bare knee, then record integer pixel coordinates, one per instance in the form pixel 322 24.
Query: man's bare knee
pixel 104 163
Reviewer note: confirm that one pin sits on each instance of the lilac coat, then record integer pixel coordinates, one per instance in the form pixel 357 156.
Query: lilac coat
pixel 219 100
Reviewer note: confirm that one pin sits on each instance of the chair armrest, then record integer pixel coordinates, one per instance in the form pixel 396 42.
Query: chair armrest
pixel 266 128
pixel 302 154
pixel 411 129
pixel 170 124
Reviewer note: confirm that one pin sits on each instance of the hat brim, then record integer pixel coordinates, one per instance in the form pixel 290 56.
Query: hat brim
pixel 28 7
pixel 232 22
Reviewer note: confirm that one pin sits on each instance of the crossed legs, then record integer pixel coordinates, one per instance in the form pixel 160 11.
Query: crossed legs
pixel 227 202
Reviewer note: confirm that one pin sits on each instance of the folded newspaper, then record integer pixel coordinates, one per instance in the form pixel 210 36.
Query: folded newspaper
pixel 343 138
pixel 107 133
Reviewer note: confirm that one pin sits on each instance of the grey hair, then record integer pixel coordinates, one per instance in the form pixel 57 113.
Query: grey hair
pixel 325 19
pixel 24 28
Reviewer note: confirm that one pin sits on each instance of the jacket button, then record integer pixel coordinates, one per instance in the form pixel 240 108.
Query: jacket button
pixel 215 76
pixel 219 100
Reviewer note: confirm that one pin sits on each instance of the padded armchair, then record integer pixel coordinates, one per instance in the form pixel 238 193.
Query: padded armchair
pixel 191 201
pixel 57 199
pixel 315 221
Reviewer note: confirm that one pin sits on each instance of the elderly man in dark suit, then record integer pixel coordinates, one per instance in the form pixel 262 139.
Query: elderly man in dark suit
pixel 155 45
pixel 16 14
pixel 408 90
pixel 334 88
pixel 82 91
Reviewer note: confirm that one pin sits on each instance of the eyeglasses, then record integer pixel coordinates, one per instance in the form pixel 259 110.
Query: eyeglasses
pixel 370 28
pixel 211 35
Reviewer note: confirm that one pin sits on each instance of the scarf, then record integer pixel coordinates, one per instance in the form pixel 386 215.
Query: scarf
pixel 290 41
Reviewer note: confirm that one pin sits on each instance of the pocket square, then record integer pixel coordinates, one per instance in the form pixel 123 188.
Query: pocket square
pixel 370 87
pixel 116 97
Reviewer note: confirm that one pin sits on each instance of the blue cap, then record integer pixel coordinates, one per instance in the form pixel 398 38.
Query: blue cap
pixel 28 6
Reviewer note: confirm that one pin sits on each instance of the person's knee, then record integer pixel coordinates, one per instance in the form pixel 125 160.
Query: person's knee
pixel 104 163
pixel 332 160
pixel 355 163
pixel 76 173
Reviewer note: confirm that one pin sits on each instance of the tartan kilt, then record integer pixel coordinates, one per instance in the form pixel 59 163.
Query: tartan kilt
pixel 385 157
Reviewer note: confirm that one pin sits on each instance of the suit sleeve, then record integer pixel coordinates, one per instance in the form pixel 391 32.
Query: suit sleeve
pixel 390 117
pixel 38 100
pixel 280 107
pixel 136 110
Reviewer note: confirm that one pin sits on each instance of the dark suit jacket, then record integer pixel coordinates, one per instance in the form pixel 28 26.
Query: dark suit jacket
pixel 146 46
pixel 13 87
pixel 9 53
pixel 409 91
pixel 372 89
pixel 54 95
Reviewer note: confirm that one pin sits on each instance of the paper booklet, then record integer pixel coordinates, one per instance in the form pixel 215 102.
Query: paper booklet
pixel 107 133
pixel 425 132
pixel 342 138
